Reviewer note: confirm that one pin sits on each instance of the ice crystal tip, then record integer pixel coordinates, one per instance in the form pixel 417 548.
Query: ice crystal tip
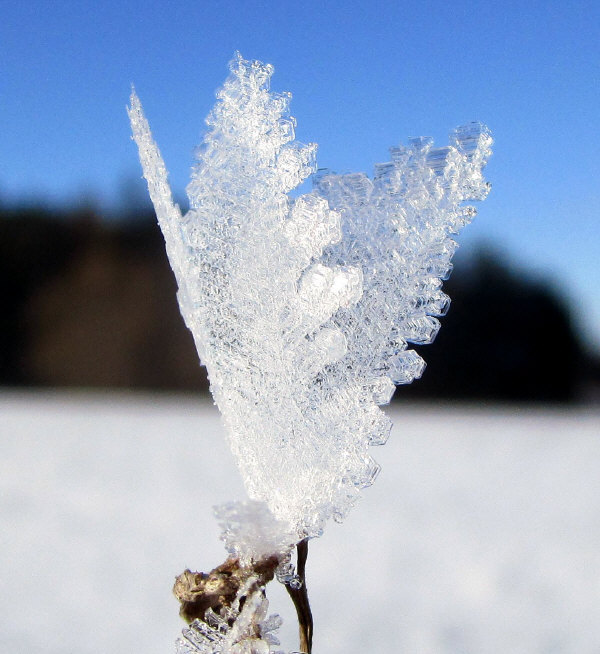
pixel 303 309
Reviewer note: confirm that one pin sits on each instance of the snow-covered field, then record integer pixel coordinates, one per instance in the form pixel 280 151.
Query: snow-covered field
pixel 481 534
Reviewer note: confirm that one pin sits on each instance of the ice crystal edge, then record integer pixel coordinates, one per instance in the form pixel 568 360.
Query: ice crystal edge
pixel 303 309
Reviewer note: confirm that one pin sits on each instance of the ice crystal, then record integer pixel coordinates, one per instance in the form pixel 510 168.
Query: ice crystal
pixel 243 628
pixel 302 309
pixel 251 532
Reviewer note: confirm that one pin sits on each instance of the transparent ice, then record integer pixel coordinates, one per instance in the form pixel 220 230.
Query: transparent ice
pixel 244 628
pixel 302 309
pixel 251 533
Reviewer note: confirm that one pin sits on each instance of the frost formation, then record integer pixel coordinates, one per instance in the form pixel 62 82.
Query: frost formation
pixel 251 532
pixel 244 628
pixel 302 309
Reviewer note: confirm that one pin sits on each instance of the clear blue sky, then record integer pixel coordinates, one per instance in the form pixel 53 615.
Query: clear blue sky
pixel 364 76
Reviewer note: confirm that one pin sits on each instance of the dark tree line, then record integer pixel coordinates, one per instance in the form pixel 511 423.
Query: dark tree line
pixel 89 302
pixel 506 337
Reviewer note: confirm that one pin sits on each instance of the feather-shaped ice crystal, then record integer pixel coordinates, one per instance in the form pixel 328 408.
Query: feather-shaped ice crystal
pixel 302 309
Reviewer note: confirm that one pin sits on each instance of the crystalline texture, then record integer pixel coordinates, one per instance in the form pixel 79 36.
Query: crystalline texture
pixel 302 309
pixel 397 227
pixel 251 532
pixel 244 628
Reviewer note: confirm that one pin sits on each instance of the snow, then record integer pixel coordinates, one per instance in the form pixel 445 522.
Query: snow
pixel 482 534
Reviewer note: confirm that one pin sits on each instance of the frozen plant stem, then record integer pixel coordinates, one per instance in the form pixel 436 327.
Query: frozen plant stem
pixel 198 592
pixel 300 598
pixel 303 310
pixel 217 590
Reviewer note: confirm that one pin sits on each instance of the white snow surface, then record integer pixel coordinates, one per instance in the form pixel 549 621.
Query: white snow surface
pixel 482 534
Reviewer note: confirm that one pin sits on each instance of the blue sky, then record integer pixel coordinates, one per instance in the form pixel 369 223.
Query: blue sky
pixel 363 76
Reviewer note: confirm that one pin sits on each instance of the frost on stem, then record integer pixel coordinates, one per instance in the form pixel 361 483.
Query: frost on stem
pixel 227 606
pixel 243 627
pixel 303 309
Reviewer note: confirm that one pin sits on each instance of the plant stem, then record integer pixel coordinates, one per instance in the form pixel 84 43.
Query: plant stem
pixel 300 599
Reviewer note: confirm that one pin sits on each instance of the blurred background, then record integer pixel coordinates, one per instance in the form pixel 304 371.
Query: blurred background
pixel 490 543
pixel 87 295
pixel 89 302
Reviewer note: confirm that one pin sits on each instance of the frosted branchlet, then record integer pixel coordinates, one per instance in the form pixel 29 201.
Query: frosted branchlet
pixel 303 309
pixel 242 628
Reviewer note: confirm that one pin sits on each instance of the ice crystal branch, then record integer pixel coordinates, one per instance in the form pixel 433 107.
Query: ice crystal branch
pixel 241 628
pixel 302 309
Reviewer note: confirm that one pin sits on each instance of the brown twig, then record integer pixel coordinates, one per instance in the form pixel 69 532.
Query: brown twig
pixel 300 599
pixel 199 591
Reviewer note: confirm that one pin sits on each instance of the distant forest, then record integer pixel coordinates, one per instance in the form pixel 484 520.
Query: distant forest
pixel 88 302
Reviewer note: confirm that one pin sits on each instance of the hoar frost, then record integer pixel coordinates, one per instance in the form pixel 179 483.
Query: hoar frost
pixel 244 628
pixel 302 309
